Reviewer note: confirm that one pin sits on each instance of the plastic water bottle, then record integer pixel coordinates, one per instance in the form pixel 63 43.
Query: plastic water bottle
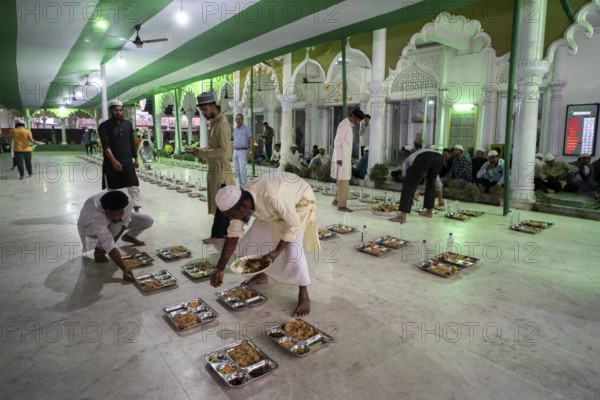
pixel 517 216
pixel 424 251
pixel 362 234
pixel 457 206
pixel 509 220
pixel 450 243
pixel 347 218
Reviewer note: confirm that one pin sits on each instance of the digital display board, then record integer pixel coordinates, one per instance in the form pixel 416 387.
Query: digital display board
pixel 581 128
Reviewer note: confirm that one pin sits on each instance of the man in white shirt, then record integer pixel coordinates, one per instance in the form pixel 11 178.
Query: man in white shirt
pixel 341 165
pixel 320 159
pixel 147 153
pixel 284 206
pixel 294 157
pixel 242 148
pixel 276 156
pixel 105 217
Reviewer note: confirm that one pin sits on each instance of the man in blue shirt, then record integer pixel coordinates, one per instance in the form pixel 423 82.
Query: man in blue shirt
pixel 242 142
pixel 360 171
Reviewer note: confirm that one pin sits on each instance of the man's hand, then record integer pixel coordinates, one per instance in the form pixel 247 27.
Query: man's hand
pixel 128 275
pixel 339 162
pixel 273 255
pixel 416 196
pixel 216 279
pixel 117 166
pixel 136 164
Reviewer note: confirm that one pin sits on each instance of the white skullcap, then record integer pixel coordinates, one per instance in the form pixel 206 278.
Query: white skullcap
pixel 367 149
pixel 115 103
pixel 408 147
pixel 539 155
pixel 549 157
pixel 227 197
pixel 19 121
pixel 492 153
pixel 459 147
pixel 585 155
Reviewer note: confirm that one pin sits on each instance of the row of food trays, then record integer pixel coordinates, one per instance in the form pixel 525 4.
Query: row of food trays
pixel 531 226
pixel 177 185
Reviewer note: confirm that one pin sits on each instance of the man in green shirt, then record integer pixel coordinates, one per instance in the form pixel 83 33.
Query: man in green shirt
pixel 553 175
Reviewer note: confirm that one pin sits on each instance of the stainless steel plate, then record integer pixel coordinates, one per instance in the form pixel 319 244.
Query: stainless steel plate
pixel 234 298
pixel 391 242
pixel 340 228
pixel 459 260
pixel 195 308
pixel 149 283
pixel 173 252
pixel 198 269
pixel 373 249
pixel 298 347
pixel 439 268
pixel 231 372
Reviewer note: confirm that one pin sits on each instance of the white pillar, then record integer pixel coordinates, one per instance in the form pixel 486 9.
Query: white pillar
pixel 103 92
pixel 189 115
pixel 378 89
pixel 63 131
pixel 287 126
pixel 309 131
pixel 551 137
pixel 490 98
pixel 322 128
pixel 530 71
pixel 203 131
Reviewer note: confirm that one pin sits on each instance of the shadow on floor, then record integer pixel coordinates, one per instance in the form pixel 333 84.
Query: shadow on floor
pixel 91 278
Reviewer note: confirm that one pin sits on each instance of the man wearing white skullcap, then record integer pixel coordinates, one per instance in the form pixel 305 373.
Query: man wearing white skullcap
pixel 553 175
pixel 285 211
pixel 462 169
pixel 492 172
pixel 582 180
pixel 120 154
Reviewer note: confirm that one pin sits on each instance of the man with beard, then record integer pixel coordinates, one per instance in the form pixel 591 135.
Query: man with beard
pixel 120 154
pixel 492 172
pixel 218 155
pixel 286 222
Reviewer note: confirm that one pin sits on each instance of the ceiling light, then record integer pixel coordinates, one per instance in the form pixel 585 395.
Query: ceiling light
pixel 101 25
pixel 463 107
pixel 181 16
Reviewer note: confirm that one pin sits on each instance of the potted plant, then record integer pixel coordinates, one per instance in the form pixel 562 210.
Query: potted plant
pixel 378 174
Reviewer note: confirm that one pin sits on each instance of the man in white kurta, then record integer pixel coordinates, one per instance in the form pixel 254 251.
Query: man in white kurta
pixel 285 226
pixel 341 164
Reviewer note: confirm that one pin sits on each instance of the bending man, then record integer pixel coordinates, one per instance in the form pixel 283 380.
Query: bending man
pixel 285 211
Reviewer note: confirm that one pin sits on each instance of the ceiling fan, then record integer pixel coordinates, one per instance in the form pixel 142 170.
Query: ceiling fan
pixel 139 43
pixel 305 77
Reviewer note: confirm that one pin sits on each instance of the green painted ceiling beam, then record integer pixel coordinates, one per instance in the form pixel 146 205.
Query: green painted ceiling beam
pixel 92 41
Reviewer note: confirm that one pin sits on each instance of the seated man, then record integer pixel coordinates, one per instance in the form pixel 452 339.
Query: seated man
pixel 295 158
pixel 582 179
pixel 360 171
pixel 553 175
pixel 492 172
pixel 286 222
pixel 147 153
pixel 320 160
pixel 105 217
pixel 461 169
pixel 276 156
pixel 477 162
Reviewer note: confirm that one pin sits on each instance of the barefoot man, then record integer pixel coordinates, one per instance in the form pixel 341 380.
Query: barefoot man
pixel 105 217
pixel 424 162
pixel 285 225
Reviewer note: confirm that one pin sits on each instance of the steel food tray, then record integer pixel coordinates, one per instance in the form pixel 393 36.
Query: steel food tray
pixel 391 242
pixel 472 213
pixel 458 216
pixel 184 190
pixel 235 300
pixel 341 228
pixel 195 195
pixel 328 193
pixel 139 259
pixel 239 375
pixel 445 270
pixel 369 200
pixel 373 249
pixel 198 269
pixel 421 210
pixel 173 252
pixel 525 228
pixel 196 308
pixel 459 260
pixel 537 224
pixel 162 279
pixel 385 213
pixel 299 346
pixel 326 234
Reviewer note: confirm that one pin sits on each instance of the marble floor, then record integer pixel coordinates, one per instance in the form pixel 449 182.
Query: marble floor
pixel 524 323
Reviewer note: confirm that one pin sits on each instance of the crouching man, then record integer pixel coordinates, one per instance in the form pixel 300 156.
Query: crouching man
pixel 285 225
pixel 105 217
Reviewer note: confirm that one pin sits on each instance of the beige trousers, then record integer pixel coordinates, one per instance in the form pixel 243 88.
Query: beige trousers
pixel 342 193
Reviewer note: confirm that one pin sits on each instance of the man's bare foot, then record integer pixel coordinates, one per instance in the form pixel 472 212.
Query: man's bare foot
pixel 303 307
pixel 427 213
pixel 128 276
pixel 131 239
pixel 258 279
pixel 400 218
pixel 137 209
pixel 212 240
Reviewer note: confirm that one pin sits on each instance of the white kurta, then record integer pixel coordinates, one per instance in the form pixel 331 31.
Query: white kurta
pixel 284 208
pixel 342 150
